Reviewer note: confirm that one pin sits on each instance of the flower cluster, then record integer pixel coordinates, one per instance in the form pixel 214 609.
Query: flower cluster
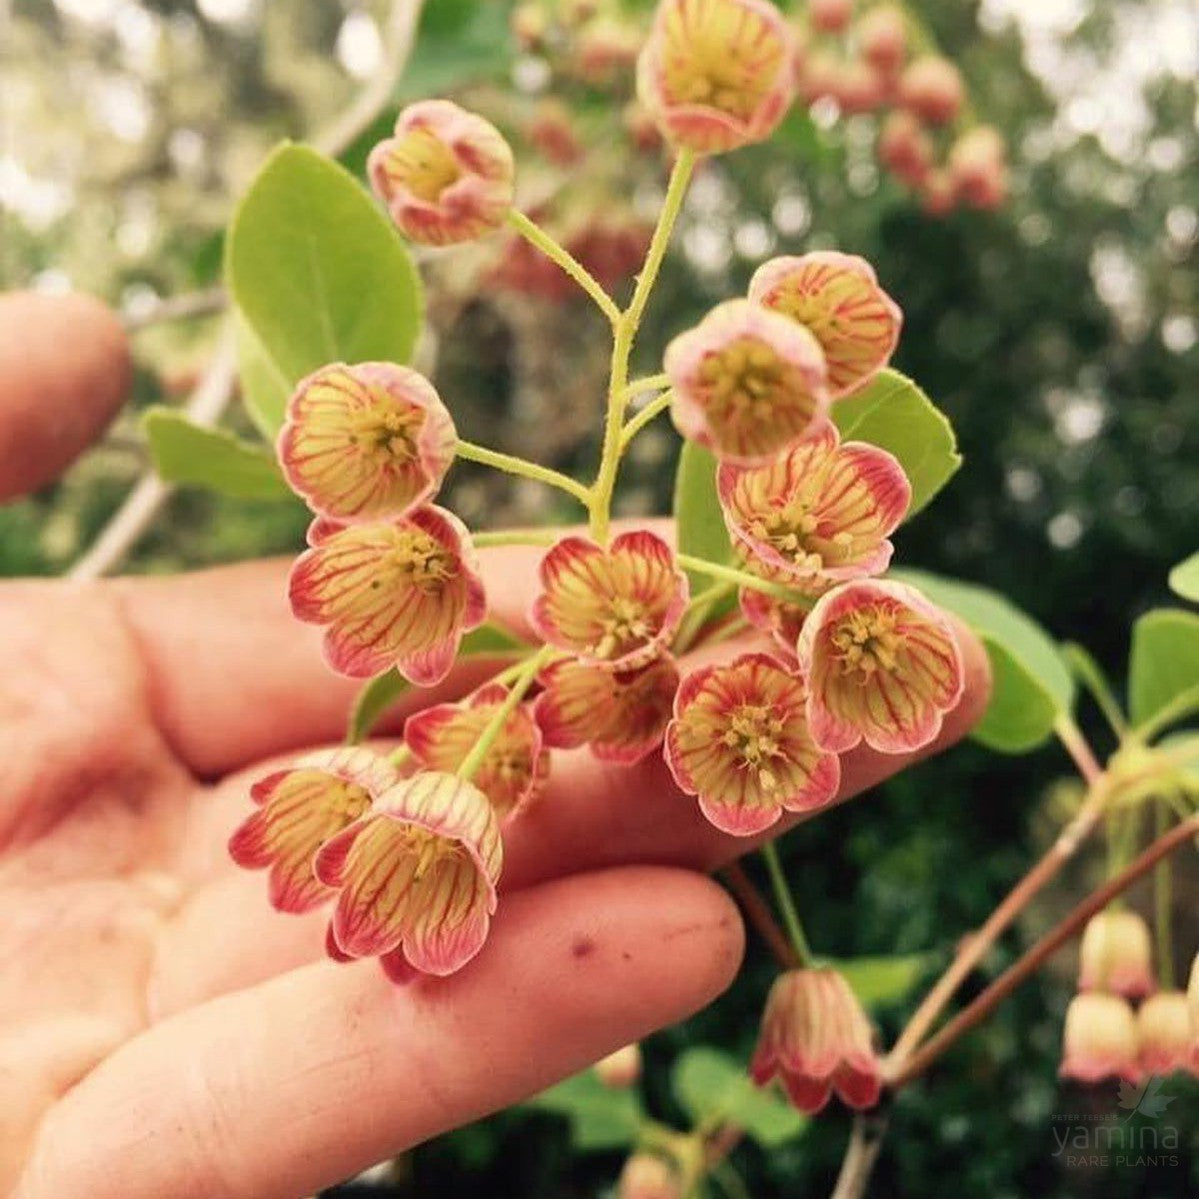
pixel 1104 1036
pixel 407 846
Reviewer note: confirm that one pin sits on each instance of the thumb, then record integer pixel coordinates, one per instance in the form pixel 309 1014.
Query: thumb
pixel 64 373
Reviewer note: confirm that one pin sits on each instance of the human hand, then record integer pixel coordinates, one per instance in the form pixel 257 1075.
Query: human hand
pixel 162 1032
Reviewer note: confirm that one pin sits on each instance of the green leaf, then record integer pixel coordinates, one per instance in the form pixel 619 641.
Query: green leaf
pixel 193 456
pixel 711 1085
pixel 318 275
pixel 1164 661
pixel 1184 578
pixel 488 640
pixel 878 981
pixel 264 390
pixel 1031 684
pixel 601 1117
pixel 893 413
pixel 698 516
pixel 458 42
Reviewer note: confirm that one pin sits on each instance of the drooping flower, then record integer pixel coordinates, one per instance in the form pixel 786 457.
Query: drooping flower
pixel 616 607
pixel 1193 998
pixel 882 36
pixel 746 382
pixel 417 877
pixel 446 175
pixel 1165 1033
pixel 1116 955
pixel 931 88
pixel 398 593
pixel 366 441
pixel 1100 1039
pixel 818 514
pixel 621 1069
pixel 978 167
pixel 905 148
pixel 837 297
pixel 717 74
pixel 817 1040
pixel 779 619
pixel 298 810
pixel 648 1176
pixel 882 665
pixel 739 741
pixel 622 716
pixel 511 771
pixel 830 16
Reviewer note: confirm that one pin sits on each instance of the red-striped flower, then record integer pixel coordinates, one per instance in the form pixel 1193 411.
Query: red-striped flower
pixel 446 175
pixel 747 382
pixel 298 810
pixel 622 716
pixel 513 768
pixel 818 514
pixel 739 741
pixel 838 298
pixel 1100 1039
pixel 881 664
pixel 372 440
pixel 816 1039
pixel 779 619
pixel 616 607
pixel 398 593
pixel 717 74
pixel 416 877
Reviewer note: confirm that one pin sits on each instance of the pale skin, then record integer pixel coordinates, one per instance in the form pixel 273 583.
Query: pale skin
pixel 163 1033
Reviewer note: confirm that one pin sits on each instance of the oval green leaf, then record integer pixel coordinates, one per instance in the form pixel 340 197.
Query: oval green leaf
pixel 601 1117
pixel 1164 662
pixel 1031 684
pixel 318 275
pixel 893 413
pixel 699 521
pixel 191 455
pixel 878 981
pixel 1184 578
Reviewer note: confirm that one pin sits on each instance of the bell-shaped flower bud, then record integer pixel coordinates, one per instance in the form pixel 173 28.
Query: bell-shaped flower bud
pixel 621 1069
pixel 1100 1039
pixel 416 877
pixel 882 38
pixel 837 298
pixel 1167 1038
pixel 366 441
pixel 747 382
pixel 978 167
pixel 717 74
pixel 647 1176
pixel 398 593
pixel 931 88
pixel 830 16
pixel 298 810
pixel 817 1040
pixel 446 175
pixel 905 148
pixel 1116 955
pixel 882 666
pixel 739 741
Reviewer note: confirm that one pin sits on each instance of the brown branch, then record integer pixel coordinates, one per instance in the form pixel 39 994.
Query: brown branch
pixel 758 912
pixel 1032 960
pixel 861 1154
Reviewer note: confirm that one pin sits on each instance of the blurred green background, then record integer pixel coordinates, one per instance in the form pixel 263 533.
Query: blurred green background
pixel 1059 334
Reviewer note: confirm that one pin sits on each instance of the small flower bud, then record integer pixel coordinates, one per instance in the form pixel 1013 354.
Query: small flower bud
pixel 647 1176
pixel 859 87
pixel 1116 955
pixel 978 169
pixel 938 195
pixel 1193 993
pixel 932 89
pixel 905 148
pixel 446 175
pixel 1099 1039
pixel 1165 1032
pixel 621 1069
pixel 717 74
pixel 817 1039
pixel 882 37
pixel 830 16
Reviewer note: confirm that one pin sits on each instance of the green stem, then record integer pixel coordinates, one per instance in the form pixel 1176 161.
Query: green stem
pixel 638 422
pixel 558 253
pixel 526 469
pixel 786 905
pixel 1087 671
pixel 1182 705
pixel 626 331
pixel 696 615
pixel 400 754
pixel 1163 903
pixel 1070 735
pixel 487 539
pixel 648 383
pixel 520 684
pixel 742 578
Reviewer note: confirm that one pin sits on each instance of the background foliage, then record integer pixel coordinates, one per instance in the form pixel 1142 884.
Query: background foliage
pixel 1059 334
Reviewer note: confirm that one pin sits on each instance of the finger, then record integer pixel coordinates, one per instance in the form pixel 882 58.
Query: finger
pixel 292 1085
pixel 64 373
pixel 591 815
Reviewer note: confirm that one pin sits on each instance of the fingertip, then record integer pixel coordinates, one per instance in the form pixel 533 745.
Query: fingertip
pixel 65 370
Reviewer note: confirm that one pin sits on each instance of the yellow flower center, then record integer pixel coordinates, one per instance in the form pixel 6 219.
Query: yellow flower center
pixel 347 801
pixel 721 63
pixel 625 623
pixel 424 164
pixel 794 532
pixel 744 381
pixel 415 560
pixel 390 433
pixel 866 642
pixel 428 849
pixel 755 734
